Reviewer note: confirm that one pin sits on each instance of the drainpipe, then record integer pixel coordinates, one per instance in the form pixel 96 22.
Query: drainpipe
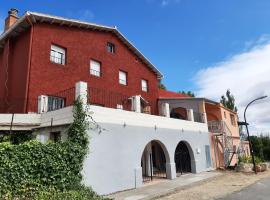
pixel 29 65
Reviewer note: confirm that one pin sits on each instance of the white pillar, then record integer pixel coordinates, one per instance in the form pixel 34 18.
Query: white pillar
pixel 171 170
pixel 165 109
pixel 204 115
pixel 42 104
pixel 81 91
pixel 190 115
pixel 136 103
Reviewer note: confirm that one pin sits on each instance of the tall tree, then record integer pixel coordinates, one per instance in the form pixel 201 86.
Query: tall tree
pixel 161 86
pixel 189 93
pixel 228 101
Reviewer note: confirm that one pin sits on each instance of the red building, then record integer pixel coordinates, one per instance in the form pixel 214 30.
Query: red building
pixel 46 55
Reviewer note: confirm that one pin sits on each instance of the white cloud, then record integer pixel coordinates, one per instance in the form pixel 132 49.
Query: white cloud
pixel 247 75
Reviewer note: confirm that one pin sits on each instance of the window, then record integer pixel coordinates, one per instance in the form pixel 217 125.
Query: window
pixel 110 47
pixel 232 119
pixel 95 68
pixel 58 55
pixel 55 103
pixel 55 136
pixel 145 85
pixel 225 115
pixel 122 78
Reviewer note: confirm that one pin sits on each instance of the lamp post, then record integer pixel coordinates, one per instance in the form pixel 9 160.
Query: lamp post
pixel 246 124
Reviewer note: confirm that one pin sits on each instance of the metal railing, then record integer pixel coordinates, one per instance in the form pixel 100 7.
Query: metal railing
pixel 107 98
pixel 198 117
pixel 61 99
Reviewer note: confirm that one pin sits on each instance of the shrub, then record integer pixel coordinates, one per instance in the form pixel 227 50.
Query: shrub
pixel 32 170
pixel 248 159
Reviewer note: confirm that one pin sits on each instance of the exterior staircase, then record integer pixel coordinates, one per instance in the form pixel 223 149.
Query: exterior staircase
pixel 223 135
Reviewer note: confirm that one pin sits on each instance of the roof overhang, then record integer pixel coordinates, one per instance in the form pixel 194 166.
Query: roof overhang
pixel 23 23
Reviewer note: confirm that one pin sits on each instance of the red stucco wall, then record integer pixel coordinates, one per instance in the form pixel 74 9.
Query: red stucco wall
pixel 16 74
pixel 82 45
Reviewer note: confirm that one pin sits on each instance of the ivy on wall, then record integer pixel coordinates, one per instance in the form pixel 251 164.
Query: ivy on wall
pixel 31 167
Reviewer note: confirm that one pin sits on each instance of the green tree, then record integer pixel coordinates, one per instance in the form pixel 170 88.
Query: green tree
pixel 228 101
pixel 161 86
pixel 189 93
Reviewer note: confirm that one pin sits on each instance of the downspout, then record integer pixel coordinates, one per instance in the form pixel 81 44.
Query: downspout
pixel 7 66
pixel 29 65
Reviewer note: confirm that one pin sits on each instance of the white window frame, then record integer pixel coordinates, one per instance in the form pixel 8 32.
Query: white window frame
pixel 95 68
pixel 122 77
pixel 58 55
pixel 144 84
pixel 110 47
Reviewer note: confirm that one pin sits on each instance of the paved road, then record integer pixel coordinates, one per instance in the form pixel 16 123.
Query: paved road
pixel 258 191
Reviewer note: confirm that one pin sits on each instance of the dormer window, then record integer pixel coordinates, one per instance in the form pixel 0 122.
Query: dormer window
pixel 110 47
pixel 58 55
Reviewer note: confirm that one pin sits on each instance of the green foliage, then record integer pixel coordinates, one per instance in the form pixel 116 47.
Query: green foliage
pixel 228 101
pixel 161 86
pixel 16 137
pixel 32 170
pixel 261 146
pixel 189 93
pixel 248 159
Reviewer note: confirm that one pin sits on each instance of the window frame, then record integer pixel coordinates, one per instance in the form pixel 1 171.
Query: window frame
pixel 95 72
pixel 126 77
pixel 147 85
pixel 58 50
pixel 110 47
pixel 232 118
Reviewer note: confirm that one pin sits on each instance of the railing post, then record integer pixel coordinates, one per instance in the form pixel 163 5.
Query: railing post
pixel 136 103
pixel 165 109
pixel 81 91
pixel 190 115
pixel 204 116
pixel 42 104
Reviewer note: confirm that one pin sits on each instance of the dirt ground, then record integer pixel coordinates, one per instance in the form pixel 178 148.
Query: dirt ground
pixel 216 188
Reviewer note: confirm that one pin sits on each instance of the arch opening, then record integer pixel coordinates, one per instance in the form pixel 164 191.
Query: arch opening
pixel 153 161
pixel 184 159
pixel 179 113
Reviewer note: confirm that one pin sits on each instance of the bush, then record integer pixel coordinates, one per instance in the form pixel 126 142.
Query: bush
pixel 28 169
pixel 248 159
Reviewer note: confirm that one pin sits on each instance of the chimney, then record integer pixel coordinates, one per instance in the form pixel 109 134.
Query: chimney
pixel 12 18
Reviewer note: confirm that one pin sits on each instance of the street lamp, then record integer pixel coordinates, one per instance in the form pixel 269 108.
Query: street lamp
pixel 246 124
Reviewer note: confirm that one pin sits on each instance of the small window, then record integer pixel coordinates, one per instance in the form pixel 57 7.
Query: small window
pixel 145 85
pixel 95 68
pixel 58 55
pixel 55 136
pixel 232 119
pixel 55 103
pixel 122 78
pixel 225 115
pixel 110 47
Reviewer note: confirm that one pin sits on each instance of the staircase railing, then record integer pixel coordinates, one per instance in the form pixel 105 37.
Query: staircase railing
pixel 221 130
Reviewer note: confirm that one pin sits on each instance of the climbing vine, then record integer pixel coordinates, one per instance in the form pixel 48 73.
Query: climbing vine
pixel 31 169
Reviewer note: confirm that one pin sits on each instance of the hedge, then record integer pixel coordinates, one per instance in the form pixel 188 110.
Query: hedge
pixel 31 169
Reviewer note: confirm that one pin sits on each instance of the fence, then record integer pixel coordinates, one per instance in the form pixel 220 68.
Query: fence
pixel 198 117
pixel 107 98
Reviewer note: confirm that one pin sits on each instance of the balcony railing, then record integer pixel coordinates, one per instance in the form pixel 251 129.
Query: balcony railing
pixel 107 98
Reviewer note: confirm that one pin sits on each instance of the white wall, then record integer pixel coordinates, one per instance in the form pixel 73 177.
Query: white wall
pixel 115 153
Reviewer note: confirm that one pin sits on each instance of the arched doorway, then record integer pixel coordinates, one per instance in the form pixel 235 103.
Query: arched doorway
pixel 179 113
pixel 153 161
pixel 183 158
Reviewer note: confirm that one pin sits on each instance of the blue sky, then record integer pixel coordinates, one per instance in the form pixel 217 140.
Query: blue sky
pixel 190 41
pixel 178 36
